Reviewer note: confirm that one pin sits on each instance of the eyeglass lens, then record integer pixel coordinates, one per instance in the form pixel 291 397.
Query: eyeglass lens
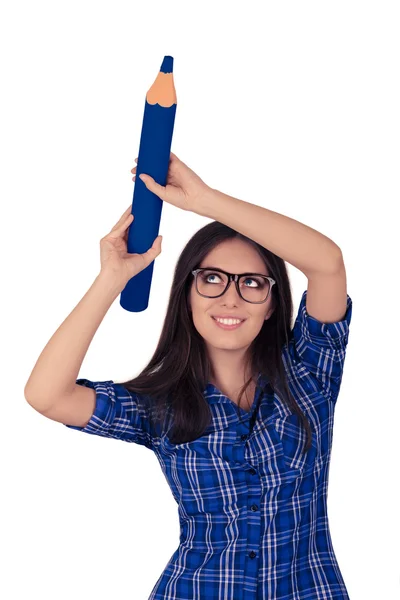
pixel 253 289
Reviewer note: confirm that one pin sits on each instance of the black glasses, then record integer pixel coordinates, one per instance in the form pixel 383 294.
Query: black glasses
pixel 257 293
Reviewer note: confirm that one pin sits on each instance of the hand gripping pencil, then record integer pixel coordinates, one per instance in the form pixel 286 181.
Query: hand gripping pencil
pixel 153 158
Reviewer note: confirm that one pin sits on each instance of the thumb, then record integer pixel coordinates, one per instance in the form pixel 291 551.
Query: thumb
pixel 152 252
pixel 153 186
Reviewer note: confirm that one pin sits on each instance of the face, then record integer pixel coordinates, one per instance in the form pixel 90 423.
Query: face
pixel 233 256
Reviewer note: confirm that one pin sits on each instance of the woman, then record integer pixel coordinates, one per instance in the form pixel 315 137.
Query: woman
pixel 241 417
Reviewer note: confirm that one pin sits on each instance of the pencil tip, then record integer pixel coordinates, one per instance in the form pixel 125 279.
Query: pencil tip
pixel 167 64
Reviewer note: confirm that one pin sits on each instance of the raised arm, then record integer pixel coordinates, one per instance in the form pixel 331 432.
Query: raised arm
pixel 57 368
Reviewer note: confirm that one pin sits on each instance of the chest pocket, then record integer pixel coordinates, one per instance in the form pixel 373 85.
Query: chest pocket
pixel 292 438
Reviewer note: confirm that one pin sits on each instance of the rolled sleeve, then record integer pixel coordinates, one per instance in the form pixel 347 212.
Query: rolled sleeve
pixel 118 413
pixel 321 347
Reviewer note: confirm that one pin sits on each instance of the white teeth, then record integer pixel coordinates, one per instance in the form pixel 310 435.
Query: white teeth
pixel 228 321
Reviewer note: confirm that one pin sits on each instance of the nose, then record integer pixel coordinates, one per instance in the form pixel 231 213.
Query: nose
pixel 231 294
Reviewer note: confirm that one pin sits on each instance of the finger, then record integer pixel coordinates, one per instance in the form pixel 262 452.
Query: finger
pixel 126 214
pixel 154 250
pixel 125 222
pixel 128 210
pixel 126 228
pixel 122 220
pixel 153 186
pixel 128 219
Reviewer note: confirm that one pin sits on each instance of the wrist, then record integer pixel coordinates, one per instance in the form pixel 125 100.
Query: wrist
pixel 206 202
pixel 111 282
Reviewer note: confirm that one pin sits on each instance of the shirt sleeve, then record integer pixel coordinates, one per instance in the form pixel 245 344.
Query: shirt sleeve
pixel 118 413
pixel 321 347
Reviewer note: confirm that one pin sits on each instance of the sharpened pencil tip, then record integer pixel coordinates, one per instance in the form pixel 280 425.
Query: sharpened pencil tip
pixel 167 64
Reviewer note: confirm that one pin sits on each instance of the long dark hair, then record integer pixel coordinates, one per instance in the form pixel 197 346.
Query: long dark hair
pixel 180 368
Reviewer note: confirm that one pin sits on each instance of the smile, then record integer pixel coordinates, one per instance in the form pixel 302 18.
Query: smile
pixel 228 327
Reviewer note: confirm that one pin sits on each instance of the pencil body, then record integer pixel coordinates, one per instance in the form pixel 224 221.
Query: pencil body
pixel 153 158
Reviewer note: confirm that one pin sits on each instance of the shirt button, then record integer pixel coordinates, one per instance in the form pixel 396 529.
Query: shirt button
pixel 253 471
pixel 252 554
pixel 244 437
pixel 254 507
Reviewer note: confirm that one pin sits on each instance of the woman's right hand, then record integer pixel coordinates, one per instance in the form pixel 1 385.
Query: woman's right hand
pixel 114 256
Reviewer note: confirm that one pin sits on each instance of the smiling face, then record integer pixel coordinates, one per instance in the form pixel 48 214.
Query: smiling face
pixel 233 256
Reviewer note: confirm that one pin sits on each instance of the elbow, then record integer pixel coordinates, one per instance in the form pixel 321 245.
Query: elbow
pixel 337 262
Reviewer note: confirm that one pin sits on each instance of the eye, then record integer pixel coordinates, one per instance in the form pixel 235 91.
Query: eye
pixel 250 279
pixel 207 275
pixel 258 282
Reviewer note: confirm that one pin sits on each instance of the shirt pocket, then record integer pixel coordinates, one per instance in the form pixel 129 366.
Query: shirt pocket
pixel 291 438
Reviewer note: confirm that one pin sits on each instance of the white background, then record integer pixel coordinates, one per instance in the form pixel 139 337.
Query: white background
pixel 293 106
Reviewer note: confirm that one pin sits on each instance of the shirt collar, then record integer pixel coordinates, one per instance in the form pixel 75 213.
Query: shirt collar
pixel 226 413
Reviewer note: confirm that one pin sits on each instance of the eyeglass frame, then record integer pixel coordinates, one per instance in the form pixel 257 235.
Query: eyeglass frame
pixel 233 277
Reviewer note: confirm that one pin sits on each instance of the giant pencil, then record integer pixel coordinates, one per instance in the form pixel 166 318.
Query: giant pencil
pixel 153 158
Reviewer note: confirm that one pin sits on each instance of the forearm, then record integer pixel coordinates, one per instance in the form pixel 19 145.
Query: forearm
pixel 57 368
pixel 303 247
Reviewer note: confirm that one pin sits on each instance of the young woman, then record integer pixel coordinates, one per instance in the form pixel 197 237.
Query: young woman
pixel 240 416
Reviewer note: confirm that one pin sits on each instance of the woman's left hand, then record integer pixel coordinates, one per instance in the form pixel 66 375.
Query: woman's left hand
pixel 184 188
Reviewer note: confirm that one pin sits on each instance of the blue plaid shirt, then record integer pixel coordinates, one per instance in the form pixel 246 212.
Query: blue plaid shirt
pixel 252 507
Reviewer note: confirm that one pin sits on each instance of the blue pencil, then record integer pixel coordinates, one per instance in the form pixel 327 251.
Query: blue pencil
pixel 153 158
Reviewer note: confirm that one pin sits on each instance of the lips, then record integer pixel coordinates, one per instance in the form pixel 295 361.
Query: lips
pixel 226 317
pixel 228 327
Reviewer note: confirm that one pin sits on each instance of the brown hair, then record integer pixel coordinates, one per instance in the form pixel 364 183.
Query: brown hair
pixel 180 369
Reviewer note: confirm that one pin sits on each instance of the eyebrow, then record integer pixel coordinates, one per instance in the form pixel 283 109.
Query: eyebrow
pixel 245 273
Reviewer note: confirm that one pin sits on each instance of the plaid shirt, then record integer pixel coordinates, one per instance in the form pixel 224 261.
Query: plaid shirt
pixel 252 507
